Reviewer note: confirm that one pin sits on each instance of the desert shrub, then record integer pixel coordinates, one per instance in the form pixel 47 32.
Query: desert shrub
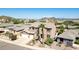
pixel 76 41
pixel 11 36
pixel 49 41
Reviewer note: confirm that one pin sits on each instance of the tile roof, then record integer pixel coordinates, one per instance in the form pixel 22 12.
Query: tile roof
pixel 18 28
pixel 69 34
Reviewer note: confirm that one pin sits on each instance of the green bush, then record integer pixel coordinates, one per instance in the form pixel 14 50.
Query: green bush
pixel 68 22
pixel 61 30
pixel 11 36
pixel 49 41
pixel 77 41
pixel 7 34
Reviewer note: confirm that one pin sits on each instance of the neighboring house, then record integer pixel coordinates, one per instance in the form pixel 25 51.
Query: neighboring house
pixel 24 35
pixel 33 31
pixel 67 38
pixel 16 29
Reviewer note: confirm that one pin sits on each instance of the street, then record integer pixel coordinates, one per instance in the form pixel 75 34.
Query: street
pixel 8 46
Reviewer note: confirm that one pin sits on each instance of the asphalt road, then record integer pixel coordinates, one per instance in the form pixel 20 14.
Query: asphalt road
pixel 8 46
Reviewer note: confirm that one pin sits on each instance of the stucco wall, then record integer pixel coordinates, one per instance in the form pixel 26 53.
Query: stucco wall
pixel 27 36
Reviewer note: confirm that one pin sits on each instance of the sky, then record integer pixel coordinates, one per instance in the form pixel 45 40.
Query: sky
pixel 40 12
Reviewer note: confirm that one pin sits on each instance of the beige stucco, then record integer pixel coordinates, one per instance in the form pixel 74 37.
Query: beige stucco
pixel 47 25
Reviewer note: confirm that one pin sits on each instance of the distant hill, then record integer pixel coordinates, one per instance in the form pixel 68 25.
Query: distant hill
pixel 8 19
pixel 67 18
pixel 5 19
pixel 53 18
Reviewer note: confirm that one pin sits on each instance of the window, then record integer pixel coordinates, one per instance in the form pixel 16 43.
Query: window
pixel 41 35
pixel 33 28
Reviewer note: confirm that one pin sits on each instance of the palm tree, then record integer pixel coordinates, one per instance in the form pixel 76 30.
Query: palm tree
pixel 42 26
